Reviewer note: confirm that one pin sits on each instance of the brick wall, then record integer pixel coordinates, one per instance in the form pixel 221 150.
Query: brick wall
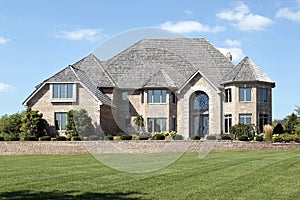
pixel 61 147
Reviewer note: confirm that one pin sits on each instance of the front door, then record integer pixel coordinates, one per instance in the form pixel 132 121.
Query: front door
pixel 200 125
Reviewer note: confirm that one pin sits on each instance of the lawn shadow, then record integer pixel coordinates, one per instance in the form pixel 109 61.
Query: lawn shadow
pixel 68 195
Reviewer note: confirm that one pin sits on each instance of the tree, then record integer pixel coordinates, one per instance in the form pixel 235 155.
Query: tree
pixel 291 122
pixel 33 123
pixel 11 124
pixel 139 122
pixel 79 123
pixel 278 129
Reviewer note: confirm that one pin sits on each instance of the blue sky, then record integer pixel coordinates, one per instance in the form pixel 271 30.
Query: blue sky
pixel 39 38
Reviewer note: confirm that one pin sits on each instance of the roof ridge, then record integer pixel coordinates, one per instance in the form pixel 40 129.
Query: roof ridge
pixel 104 70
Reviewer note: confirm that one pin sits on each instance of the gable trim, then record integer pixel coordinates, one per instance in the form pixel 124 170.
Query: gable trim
pixel 193 76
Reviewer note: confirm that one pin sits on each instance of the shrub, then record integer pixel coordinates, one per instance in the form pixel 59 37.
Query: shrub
pixel 288 137
pixel 243 138
pixel 1 138
pixel 158 137
pixel 226 137
pixel 144 136
pixel 268 130
pixel 297 139
pixel 126 137
pixel 117 137
pixel 54 139
pixel 259 138
pixel 178 137
pixel 278 138
pixel 108 137
pixel 195 137
pixel 11 137
pixel 75 138
pixel 30 138
pixel 278 129
pixel 211 137
pixel 61 138
pixel 242 129
pixel 94 137
pixel 45 138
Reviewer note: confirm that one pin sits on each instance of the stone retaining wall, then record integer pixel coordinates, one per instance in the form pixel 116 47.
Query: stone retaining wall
pixel 62 147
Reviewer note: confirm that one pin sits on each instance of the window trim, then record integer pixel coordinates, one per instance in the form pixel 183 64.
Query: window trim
pixel 154 119
pixel 228 95
pixel 58 126
pixel 227 122
pixel 161 98
pixel 245 89
pixel 58 99
pixel 264 97
pixel 245 116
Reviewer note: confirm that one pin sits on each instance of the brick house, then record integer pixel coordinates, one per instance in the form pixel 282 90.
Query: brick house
pixel 184 85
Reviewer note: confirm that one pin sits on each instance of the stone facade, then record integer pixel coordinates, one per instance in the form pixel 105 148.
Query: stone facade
pixel 82 147
pixel 115 92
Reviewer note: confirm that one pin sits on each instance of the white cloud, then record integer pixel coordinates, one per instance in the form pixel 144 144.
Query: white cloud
pixel 189 27
pixel 3 40
pixel 188 13
pixel 81 34
pixel 288 14
pixel 232 43
pixel 243 19
pixel 5 87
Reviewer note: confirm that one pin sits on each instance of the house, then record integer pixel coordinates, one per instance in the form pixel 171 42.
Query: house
pixel 184 85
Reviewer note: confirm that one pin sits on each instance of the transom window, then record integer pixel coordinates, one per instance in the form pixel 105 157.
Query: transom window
pixel 245 119
pixel 157 96
pixel 228 122
pixel 62 91
pixel 262 94
pixel 201 102
pixel 245 94
pixel 157 124
pixel 60 120
pixel 228 97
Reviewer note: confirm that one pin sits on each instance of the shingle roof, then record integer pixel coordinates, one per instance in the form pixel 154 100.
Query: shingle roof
pixel 160 79
pixel 179 58
pixel 246 71
pixel 92 66
pixel 88 83
pixel 135 66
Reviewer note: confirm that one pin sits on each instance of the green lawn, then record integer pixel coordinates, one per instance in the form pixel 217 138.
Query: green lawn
pixel 220 175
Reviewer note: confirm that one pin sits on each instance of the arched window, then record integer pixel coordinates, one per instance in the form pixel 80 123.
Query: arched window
pixel 200 102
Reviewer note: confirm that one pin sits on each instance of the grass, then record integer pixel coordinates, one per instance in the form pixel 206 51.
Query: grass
pixel 220 175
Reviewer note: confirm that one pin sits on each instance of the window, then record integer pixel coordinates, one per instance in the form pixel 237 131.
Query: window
pixel 246 119
pixel 157 96
pixel 124 96
pixel 201 102
pixel 156 124
pixel 228 97
pixel 228 122
pixel 262 95
pixel 62 91
pixel 173 98
pixel 263 120
pixel 173 125
pixel 245 94
pixel 60 120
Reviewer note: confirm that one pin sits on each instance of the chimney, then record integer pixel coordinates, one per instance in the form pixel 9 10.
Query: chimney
pixel 229 56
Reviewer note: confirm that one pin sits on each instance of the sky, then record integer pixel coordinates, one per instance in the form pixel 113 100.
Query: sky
pixel 38 38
